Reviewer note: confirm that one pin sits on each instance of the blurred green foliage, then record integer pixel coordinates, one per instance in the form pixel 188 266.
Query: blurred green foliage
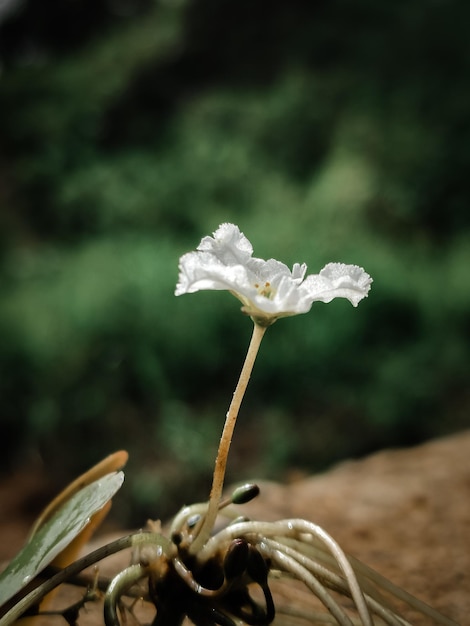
pixel 327 131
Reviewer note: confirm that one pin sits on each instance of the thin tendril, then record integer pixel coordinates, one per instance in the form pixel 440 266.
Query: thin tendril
pixel 333 581
pixel 118 586
pixel 289 564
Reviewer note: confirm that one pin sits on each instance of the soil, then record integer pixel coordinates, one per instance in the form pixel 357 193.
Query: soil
pixel 405 513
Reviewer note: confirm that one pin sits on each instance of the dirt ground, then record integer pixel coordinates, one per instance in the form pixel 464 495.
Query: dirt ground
pixel 405 513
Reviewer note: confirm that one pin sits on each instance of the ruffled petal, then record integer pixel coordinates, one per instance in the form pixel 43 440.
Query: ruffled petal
pixel 268 290
pixel 337 280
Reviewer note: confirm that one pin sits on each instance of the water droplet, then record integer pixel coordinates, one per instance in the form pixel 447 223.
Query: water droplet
pixel 27 579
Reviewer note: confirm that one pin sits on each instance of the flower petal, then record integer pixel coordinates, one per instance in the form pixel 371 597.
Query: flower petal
pixel 202 270
pixel 268 290
pixel 337 280
pixel 228 244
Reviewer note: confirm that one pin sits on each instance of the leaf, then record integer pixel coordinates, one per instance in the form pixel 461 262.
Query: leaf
pixel 112 463
pixel 56 533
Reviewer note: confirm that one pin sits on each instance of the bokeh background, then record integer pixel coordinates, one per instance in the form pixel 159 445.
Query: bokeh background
pixel 328 131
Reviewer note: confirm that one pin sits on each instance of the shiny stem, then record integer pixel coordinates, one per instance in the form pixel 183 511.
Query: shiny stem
pixel 203 531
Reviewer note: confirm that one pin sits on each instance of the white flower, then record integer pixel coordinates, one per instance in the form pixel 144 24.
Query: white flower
pixel 268 289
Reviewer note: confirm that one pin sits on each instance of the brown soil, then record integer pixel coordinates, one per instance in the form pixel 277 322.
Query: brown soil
pixel 406 513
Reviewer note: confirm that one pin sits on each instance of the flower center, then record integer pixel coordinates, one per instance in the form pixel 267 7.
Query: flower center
pixel 265 290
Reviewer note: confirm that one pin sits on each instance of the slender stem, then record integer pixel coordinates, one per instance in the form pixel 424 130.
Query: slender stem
pixel 202 533
pixel 118 586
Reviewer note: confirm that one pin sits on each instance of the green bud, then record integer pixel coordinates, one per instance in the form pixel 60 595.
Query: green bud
pixel 245 493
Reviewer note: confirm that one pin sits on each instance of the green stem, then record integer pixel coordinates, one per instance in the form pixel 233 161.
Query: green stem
pixel 118 586
pixel 202 533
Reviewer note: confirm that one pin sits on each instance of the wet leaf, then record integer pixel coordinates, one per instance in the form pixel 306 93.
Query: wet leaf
pixel 56 533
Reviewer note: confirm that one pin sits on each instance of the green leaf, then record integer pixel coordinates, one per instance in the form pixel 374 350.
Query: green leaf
pixel 57 533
